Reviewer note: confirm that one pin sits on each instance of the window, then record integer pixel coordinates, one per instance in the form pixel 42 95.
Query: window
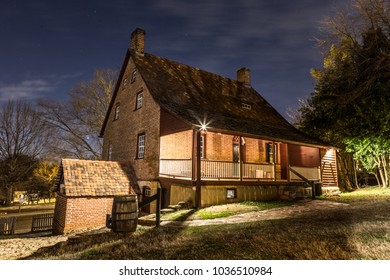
pixel 125 82
pixel 141 146
pixel 231 193
pixel 269 157
pixel 202 146
pixel 146 192
pixel 140 96
pixel 109 151
pixel 246 106
pixel 133 76
pixel 116 114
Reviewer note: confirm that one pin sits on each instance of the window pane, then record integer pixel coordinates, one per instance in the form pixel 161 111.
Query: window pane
pixel 133 76
pixel 141 146
pixel 140 96
pixel 110 151
pixel 231 193
pixel 117 109
pixel 201 146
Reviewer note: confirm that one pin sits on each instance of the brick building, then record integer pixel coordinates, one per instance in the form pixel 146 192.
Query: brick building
pixel 86 191
pixel 204 138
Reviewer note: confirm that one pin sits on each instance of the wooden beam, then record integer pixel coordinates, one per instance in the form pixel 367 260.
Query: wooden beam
pixel 198 198
pixel 158 207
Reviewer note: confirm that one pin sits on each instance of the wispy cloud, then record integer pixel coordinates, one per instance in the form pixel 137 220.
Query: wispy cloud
pixel 27 89
pixel 32 88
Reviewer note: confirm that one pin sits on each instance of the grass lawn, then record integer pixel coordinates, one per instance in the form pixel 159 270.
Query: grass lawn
pixel 357 231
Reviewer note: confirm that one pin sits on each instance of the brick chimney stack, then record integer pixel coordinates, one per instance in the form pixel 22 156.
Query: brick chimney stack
pixel 137 40
pixel 244 76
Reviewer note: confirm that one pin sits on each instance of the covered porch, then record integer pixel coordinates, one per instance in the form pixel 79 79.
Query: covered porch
pixel 214 156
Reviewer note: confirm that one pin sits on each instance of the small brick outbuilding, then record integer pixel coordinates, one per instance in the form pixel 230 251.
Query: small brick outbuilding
pixel 85 192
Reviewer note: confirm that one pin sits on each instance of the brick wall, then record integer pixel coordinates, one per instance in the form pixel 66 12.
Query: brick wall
pixel 219 146
pixel 122 133
pixel 255 150
pixel 76 213
pixel 177 145
pixel 59 214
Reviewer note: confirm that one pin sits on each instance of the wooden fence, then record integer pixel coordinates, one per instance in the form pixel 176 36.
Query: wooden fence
pixel 7 225
pixel 42 222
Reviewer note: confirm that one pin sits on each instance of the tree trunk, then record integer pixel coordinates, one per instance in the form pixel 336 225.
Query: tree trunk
pixel 10 195
pixel 345 168
pixel 385 172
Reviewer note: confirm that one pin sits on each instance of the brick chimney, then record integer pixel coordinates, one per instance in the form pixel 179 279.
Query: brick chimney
pixel 244 76
pixel 137 41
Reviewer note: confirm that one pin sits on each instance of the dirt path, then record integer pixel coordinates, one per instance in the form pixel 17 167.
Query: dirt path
pixel 27 244
pixel 15 248
pixel 299 208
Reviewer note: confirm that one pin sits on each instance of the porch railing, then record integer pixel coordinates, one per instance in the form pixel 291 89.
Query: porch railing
pixel 213 169
pixel 258 171
pixel 176 167
pixel 311 173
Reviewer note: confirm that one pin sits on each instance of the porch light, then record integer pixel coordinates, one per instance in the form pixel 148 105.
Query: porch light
pixel 204 125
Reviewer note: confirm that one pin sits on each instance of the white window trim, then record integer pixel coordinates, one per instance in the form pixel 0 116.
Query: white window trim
pixel 141 146
pixel 139 101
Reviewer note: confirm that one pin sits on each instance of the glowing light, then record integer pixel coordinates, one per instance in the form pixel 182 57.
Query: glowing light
pixel 205 124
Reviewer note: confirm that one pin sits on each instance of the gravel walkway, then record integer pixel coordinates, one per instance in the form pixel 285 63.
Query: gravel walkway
pixel 25 245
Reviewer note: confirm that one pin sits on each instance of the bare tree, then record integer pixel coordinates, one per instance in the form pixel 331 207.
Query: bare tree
pixel 78 122
pixel 23 138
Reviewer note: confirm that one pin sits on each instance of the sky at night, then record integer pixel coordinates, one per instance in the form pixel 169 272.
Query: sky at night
pixel 49 46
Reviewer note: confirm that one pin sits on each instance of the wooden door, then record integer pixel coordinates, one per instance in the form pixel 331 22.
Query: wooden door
pixel 145 194
pixel 283 162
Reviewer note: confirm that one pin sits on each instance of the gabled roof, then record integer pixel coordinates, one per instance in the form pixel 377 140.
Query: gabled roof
pixel 198 96
pixel 96 178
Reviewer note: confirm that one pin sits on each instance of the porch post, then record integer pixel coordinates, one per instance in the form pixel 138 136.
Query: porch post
pixel 198 185
pixel 276 154
pixel 241 158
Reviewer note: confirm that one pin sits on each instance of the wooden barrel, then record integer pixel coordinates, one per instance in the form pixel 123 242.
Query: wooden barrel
pixel 125 213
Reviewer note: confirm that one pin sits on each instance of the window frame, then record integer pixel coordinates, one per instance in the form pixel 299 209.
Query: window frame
pixel 246 106
pixel 234 190
pixel 109 152
pixel 269 152
pixel 139 99
pixel 124 82
pixel 116 112
pixel 133 76
pixel 202 146
pixel 141 147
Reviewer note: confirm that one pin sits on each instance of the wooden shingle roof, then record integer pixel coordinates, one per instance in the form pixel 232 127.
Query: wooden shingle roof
pixel 96 178
pixel 197 96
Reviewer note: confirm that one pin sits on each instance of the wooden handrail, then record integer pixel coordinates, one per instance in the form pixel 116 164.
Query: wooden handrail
pixel 310 182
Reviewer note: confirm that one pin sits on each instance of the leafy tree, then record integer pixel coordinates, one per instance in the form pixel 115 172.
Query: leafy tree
pixel 352 91
pixel 78 122
pixel 23 138
pixel 44 179
pixel 374 155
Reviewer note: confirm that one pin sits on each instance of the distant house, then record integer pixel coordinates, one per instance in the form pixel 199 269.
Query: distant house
pixel 204 138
